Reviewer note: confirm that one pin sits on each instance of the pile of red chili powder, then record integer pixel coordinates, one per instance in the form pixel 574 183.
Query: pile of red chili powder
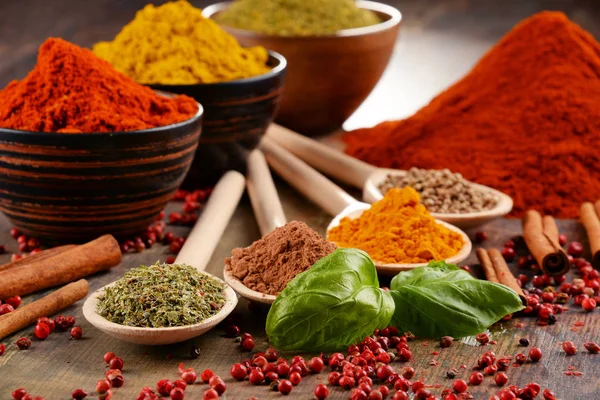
pixel 525 120
pixel 70 90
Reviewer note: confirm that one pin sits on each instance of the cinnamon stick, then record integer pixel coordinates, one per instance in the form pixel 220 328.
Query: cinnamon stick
pixel 591 223
pixel 98 255
pixel 47 305
pixel 503 273
pixel 37 257
pixel 486 265
pixel 542 242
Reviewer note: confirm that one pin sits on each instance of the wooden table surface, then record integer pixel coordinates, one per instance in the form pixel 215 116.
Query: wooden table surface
pixel 439 42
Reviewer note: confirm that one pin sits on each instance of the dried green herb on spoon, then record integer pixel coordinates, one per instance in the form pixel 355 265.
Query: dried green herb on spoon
pixel 162 295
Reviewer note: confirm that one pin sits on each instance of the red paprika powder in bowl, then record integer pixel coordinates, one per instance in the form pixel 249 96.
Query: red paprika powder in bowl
pixel 86 150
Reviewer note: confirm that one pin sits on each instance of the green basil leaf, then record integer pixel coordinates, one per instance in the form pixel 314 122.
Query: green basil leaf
pixel 434 271
pixel 335 303
pixel 458 308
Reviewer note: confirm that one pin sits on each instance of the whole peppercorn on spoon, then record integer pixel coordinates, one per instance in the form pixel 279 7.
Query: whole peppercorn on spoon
pixel 369 178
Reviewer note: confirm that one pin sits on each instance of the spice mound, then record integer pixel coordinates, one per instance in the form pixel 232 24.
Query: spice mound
pixel 271 262
pixel 70 90
pixel 524 121
pixel 398 229
pixel 442 191
pixel 162 295
pixel 175 44
pixel 296 17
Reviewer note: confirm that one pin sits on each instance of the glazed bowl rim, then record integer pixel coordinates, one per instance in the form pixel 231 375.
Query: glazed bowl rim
pixel 156 129
pixel 275 71
pixel 394 20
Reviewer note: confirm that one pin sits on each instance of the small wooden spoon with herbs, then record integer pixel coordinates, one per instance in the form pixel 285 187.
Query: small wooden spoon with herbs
pixel 269 215
pixel 196 252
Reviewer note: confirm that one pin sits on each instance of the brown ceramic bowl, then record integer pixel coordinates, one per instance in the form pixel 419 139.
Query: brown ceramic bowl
pixel 73 187
pixel 328 76
pixel 236 115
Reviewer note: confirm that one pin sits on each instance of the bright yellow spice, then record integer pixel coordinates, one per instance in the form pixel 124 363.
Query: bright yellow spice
pixel 174 44
pixel 398 229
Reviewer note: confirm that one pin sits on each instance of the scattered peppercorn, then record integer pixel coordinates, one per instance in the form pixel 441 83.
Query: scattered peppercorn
pixel 482 338
pixel 575 249
pixel 446 341
pixel 285 387
pixel 459 386
pixel 524 342
pixel 24 343
pixel 592 347
pixel 569 348
pixel 476 378
pixel 77 333
pixel 480 236
pixel 451 373
pixel 108 356
pixel 535 354
pixel 41 331
pixel 501 379
pixel 321 392
pixel 2 349
pixel 79 394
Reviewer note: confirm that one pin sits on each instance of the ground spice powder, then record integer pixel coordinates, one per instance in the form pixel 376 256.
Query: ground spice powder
pixel 70 90
pixel 175 44
pixel 271 262
pixel 525 120
pixel 398 229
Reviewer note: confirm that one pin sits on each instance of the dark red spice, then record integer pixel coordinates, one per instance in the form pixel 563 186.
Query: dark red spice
pixel 592 347
pixel 321 392
pixel 210 394
pixel 575 249
pixel 23 343
pixel 535 354
pixel 501 379
pixel 108 356
pixel 476 378
pixel 217 383
pixel 77 333
pixel 14 301
pixel 569 348
pixel 480 236
pixel 2 349
pixel 6 308
pixel 238 372
pixel 18 394
pixel 256 376
pixel 446 341
pixel 164 387
pixel 459 386
pixel 316 364
pixel 41 331
pixel 102 386
pixel 285 387
pixel 79 394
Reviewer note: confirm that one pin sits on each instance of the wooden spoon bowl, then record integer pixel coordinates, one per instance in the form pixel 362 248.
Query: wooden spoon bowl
pixel 156 336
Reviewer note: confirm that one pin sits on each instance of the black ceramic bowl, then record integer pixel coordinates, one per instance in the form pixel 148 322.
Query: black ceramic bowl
pixel 236 115
pixel 73 187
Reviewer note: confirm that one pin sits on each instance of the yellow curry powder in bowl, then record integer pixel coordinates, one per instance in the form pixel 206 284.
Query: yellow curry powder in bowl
pixel 398 230
pixel 174 44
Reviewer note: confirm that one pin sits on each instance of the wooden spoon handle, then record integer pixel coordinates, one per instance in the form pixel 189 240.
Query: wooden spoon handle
pixel 206 234
pixel 307 180
pixel 322 157
pixel 263 194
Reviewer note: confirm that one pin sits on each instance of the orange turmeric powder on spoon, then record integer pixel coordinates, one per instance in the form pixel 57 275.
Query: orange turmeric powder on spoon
pixel 398 229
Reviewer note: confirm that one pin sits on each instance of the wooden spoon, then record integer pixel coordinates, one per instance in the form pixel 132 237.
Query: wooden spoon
pixel 196 251
pixel 368 178
pixel 336 201
pixel 268 212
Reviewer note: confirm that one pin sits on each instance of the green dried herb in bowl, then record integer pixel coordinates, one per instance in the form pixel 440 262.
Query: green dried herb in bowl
pixel 162 295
